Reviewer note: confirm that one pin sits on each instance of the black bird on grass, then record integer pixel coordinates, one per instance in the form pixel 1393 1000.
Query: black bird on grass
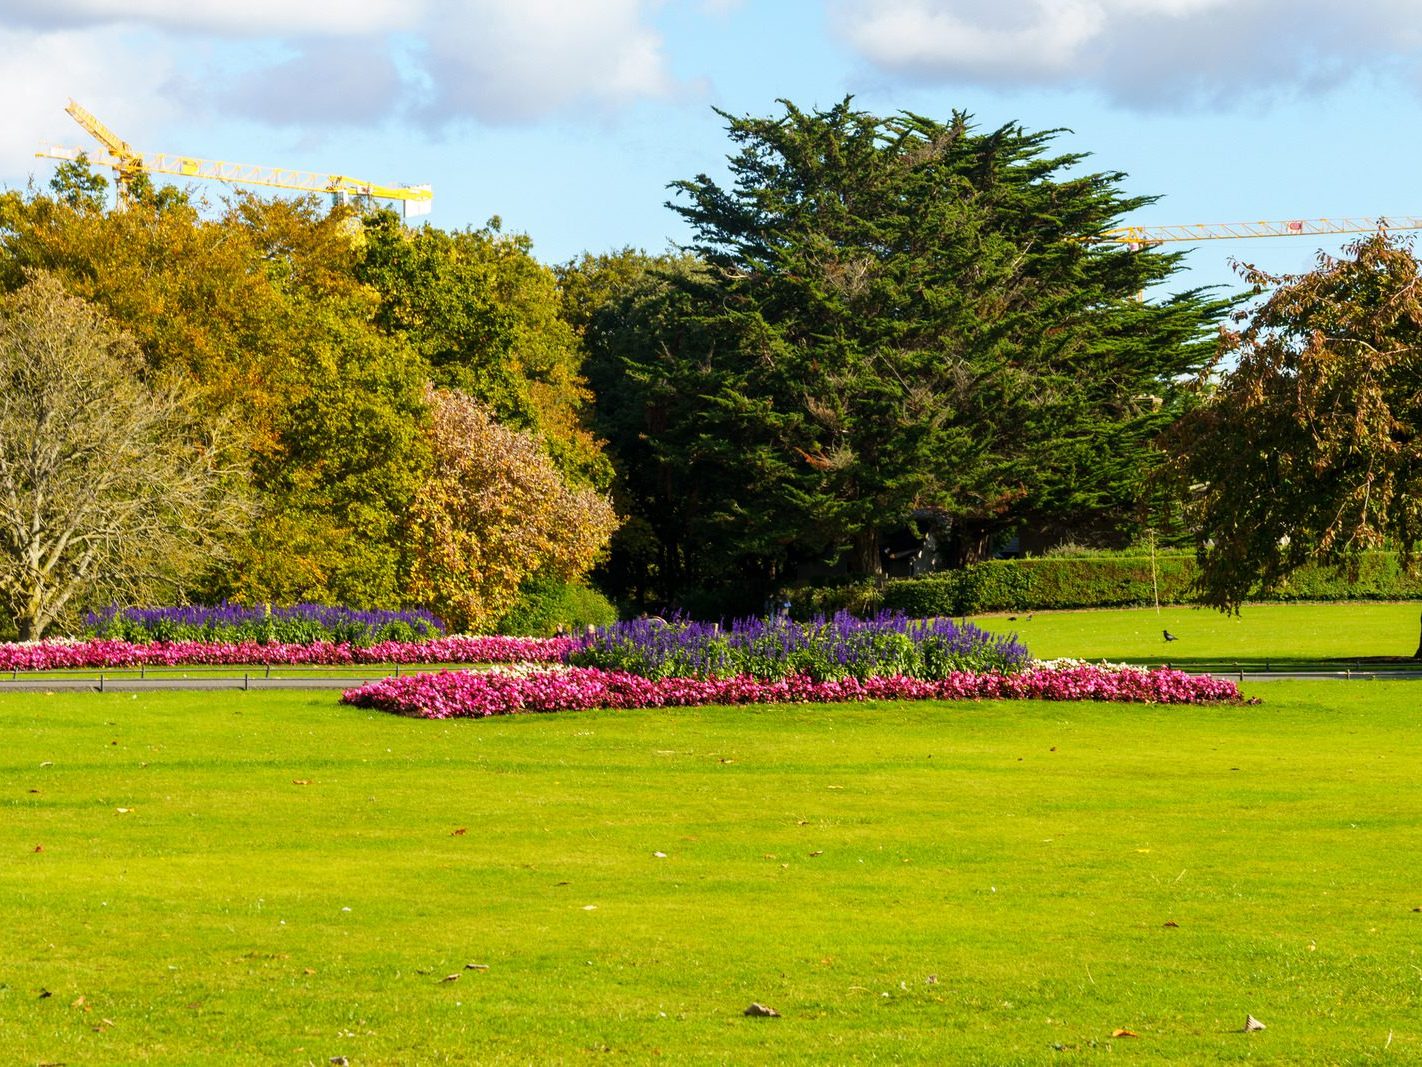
pixel 1169 636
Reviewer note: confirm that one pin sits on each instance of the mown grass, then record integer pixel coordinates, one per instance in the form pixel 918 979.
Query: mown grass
pixel 1281 637
pixel 988 883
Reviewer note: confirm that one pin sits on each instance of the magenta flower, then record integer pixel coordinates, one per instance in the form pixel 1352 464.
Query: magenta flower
pixel 108 653
pixel 470 694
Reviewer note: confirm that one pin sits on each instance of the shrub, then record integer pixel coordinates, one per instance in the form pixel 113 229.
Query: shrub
pixel 861 598
pixel 1124 580
pixel 547 603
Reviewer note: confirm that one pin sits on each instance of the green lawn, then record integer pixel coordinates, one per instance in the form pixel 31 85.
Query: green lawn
pixel 273 878
pixel 1369 636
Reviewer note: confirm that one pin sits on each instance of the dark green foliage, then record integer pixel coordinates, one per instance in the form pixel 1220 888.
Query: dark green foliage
pixel 77 184
pixel 1124 581
pixel 887 315
pixel 864 597
pixel 545 604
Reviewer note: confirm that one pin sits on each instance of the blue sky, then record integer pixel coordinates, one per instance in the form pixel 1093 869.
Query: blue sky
pixel 568 119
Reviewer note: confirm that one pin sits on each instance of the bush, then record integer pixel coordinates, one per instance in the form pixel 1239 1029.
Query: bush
pixel 545 604
pixel 1123 580
pixel 862 598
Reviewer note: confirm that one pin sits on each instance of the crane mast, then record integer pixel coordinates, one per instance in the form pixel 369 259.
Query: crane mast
pixel 128 162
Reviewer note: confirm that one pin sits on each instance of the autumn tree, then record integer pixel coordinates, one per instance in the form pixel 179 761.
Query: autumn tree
pixel 347 450
pixel 486 317
pixel 1308 443
pixel 494 512
pixel 258 307
pixel 107 487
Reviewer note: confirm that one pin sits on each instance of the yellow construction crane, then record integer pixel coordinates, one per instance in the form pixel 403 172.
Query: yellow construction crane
pixel 127 162
pixel 1142 236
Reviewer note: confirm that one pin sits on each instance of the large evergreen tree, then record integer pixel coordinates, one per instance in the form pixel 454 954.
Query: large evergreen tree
pixel 901 316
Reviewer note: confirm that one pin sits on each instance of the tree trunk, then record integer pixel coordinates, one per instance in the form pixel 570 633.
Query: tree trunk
pixel 968 544
pixel 865 557
pixel 1418 653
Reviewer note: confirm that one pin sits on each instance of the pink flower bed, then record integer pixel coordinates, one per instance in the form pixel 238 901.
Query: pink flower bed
pixel 467 694
pixel 107 653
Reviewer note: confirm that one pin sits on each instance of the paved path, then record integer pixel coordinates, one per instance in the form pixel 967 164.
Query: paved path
pixel 131 683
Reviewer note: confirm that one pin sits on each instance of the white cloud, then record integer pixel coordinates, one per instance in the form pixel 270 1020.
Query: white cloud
pixel 1145 53
pixel 247 18
pixel 499 62
pixel 42 70
pixel 346 81
pixel 360 62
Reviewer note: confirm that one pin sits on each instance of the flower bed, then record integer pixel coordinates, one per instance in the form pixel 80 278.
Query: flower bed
pixel 466 694
pixel 225 623
pixel 114 654
pixel 823 649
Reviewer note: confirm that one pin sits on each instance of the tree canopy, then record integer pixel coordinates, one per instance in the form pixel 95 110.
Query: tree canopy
pixel 1308 442
pixel 893 320
pixel 108 487
pixel 303 338
pixel 494 513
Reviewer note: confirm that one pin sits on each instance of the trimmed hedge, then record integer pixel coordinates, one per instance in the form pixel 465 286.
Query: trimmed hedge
pixel 1091 582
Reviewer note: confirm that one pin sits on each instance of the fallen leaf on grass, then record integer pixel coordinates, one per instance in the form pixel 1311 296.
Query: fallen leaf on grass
pixel 818 852
pixel 78 1002
pixel 39 848
pixel 1124 1033
pixel 123 811
pixel 43 993
pixel 308 970
pixel 301 781
pixel 1251 1024
pixel 760 1011
pixel 476 966
pixel 451 977
pixel 459 832
pixel 1172 924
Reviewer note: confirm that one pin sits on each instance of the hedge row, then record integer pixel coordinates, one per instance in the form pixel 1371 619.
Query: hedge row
pixel 1090 582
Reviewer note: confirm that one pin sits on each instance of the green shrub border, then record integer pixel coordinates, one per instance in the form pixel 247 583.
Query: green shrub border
pixel 1091 582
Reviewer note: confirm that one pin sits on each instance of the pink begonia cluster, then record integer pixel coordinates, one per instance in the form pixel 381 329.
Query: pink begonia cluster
pixel 104 653
pixel 469 694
